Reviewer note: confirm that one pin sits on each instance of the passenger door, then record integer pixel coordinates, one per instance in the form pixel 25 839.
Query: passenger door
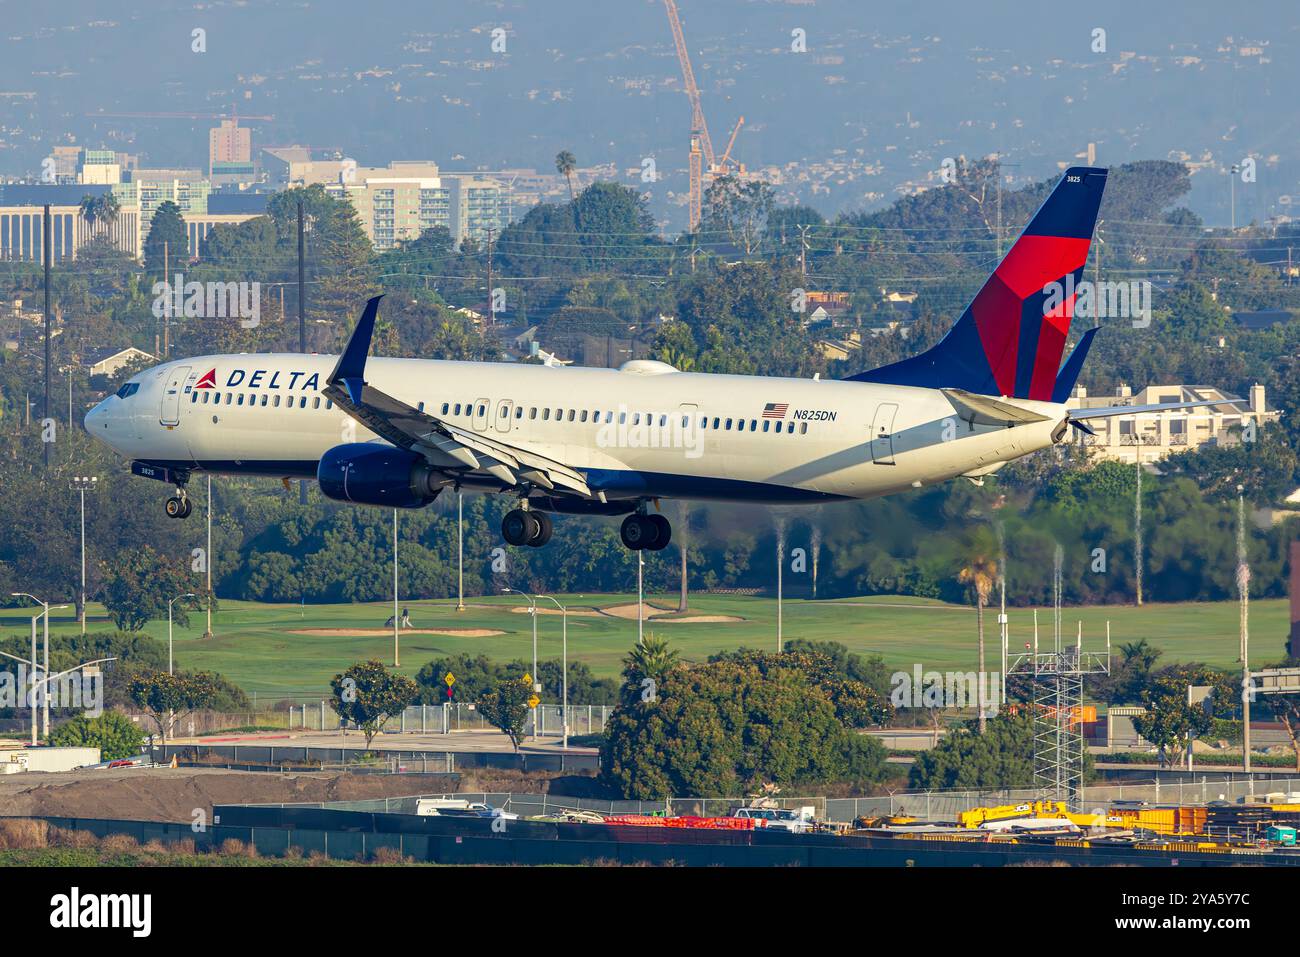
pixel 480 420
pixel 173 386
pixel 882 434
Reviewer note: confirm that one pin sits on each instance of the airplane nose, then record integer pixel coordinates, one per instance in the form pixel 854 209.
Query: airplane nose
pixel 96 419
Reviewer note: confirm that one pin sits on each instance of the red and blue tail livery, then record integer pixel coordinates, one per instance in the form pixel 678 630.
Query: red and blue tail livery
pixel 1008 342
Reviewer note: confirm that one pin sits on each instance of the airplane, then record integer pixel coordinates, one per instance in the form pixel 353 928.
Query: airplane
pixel 395 432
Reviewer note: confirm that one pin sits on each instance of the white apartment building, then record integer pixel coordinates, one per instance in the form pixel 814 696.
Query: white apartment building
pixel 1152 436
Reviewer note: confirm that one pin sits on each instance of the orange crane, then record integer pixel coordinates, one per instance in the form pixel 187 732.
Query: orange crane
pixel 181 116
pixel 702 157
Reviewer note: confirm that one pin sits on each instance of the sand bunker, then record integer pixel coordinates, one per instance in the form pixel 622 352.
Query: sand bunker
pixel 664 616
pixel 573 612
pixel 367 632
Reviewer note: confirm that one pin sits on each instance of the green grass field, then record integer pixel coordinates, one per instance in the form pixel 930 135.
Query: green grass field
pixel 255 646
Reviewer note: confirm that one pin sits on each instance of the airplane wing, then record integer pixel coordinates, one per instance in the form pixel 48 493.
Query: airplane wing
pixel 446 445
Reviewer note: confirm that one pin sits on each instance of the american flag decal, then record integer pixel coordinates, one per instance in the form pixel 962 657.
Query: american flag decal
pixel 775 410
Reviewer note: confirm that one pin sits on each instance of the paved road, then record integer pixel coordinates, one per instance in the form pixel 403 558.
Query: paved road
pixel 456 741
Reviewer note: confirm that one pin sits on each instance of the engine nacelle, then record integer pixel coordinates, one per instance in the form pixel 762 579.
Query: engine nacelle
pixel 368 473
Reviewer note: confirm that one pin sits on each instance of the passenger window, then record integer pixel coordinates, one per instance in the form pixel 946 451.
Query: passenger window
pixel 559 414
pixel 482 410
pixel 622 418
pixel 205 398
pixel 532 412
pixel 803 428
pixel 716 421
pixel 753 425
pixel 458 408
pixel 329 403
pixel 419 407
pixel 194 397
pixel 546 414
pixel 571 414
pixel 230 398
pixel 519 412
pixel 265 397
pixel 728 425
pixel 767 425
pixel 609 416
pixel 663 421
pixel 686 421
pixel 584 415
pixel 636 418
pixel 315 403
pixel 276 402
pixel 240 399
pixel 444 408
pixel 789 427
pixel 302 402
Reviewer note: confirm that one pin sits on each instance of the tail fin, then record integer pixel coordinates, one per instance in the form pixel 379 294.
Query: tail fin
pixel 1010 339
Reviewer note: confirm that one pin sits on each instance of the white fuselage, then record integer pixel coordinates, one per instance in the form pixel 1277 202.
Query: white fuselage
pixel 641 431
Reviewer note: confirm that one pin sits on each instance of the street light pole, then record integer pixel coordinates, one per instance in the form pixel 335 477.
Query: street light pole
pixel 45 614
pixel 169 626
pixel 564 670
pixel 460 550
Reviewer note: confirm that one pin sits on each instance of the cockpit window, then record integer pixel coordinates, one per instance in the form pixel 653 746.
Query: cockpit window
pixel 130 389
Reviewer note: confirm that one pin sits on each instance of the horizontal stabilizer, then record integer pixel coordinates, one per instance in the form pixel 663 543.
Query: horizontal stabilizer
pixel 1114 410
pixel 982 410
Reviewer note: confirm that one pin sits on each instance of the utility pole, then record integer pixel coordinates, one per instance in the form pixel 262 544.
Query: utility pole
pixel 492 312
pixel 1243 589
pixel 48 252
pixel 803 251
pixel 167 313
pixel 397 622
pixel 1137 530
pixel 302 320
pixel 999 212
pixel 207 556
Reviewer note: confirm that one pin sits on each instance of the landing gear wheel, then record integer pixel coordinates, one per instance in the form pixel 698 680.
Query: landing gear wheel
pixel 176 507
pixel 186 507
pixel 544 529
pixel 519 527
pixel 640 532
pixel 663 531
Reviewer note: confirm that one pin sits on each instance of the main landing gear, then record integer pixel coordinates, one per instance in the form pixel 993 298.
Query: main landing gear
pixel 179 505
pixel 526 527
pixel 650 531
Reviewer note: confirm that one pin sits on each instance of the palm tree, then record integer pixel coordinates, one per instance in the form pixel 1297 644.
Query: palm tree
pixel 651 659
pixel 565 164
pixel 980 570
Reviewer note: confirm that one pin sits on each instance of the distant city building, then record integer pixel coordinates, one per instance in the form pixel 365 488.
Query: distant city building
pixel 22 222
pixel 230 153
pixel 1152 436
pixel 147 189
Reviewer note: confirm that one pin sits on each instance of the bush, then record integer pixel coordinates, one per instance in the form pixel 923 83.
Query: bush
pixel 116 735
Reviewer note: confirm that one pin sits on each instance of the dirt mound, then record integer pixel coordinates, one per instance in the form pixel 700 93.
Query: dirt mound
pixel 663 616
pixel 166 794
pixel 367 632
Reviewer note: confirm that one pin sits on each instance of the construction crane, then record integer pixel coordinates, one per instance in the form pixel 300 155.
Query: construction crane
pixel 702 157
pixel 180 116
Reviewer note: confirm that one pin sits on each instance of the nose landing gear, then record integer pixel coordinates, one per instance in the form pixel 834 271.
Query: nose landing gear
pixel 179 505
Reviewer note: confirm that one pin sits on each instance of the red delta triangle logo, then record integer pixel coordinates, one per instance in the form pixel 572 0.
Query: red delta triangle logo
pixel 209 380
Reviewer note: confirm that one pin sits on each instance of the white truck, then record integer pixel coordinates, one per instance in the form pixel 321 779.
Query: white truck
pixel 456 807
pixel 795 820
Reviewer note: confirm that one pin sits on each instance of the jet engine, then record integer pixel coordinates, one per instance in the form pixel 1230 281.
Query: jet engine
pixel 370 473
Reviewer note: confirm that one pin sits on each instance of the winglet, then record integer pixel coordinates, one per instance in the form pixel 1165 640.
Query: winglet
pixel 351 368
pixel 1069 374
